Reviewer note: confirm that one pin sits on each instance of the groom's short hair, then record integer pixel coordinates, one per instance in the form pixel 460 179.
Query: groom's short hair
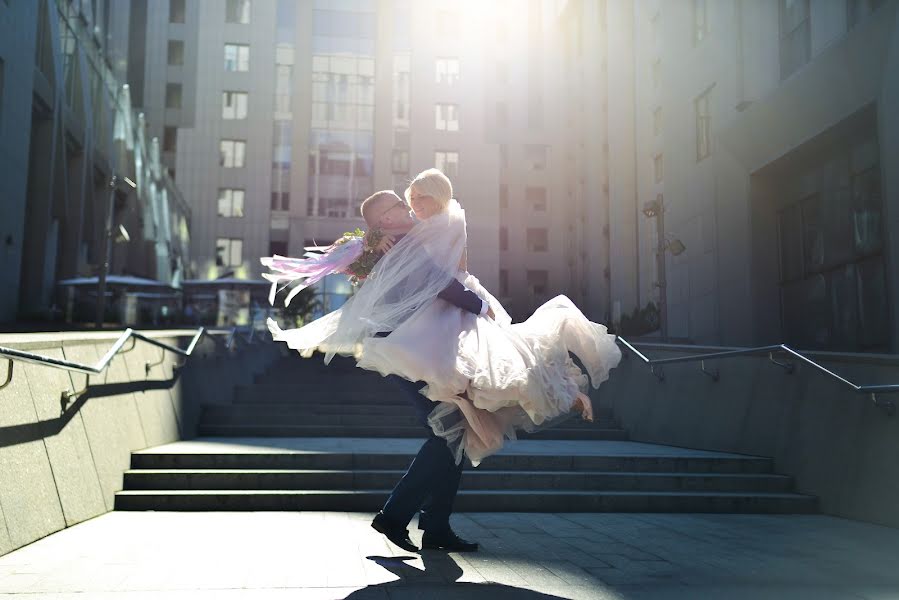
pixel 371 207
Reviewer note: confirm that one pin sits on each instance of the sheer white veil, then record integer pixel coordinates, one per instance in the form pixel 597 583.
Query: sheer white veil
pixel 406 279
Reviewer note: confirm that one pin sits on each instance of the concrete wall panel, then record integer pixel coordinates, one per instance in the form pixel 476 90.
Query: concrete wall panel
pixel 111 420
pixel 27 489
pixel 836 443
pixel 66 440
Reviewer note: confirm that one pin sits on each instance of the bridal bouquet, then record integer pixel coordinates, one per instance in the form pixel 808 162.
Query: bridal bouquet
pixel 355 254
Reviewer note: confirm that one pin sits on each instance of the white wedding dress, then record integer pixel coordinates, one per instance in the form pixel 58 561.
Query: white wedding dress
pixel 487 378
pixel 490 378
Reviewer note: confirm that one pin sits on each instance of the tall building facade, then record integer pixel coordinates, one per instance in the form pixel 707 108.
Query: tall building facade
pixel 761 146
pixel 66 127
pixel 300 110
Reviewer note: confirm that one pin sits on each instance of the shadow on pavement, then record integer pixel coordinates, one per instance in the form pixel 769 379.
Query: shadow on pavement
pixel 437 580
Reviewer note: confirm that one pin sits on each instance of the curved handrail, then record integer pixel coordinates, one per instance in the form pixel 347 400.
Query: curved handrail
pixel 12 355
pixel 655 367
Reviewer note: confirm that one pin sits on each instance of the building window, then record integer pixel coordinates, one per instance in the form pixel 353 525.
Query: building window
pixel 537 240
pixel 231 202
pixel 170 139
pixel 280 200
pixel 832 270
pixel 657 121
pixel 400 162
pixel 448 163
pixel 237 57
pixel 503 238
pixel 538 283
pixel 657 168
pixel 795 36
pixel 535 157
pixel 446 117
pixel 503 195
pixel 703 126
pixel 228 252
pixel 503 282
pixel 233 153
pixel 535 198
pixel 700 21
pixel 447 70
pixel 237 11
pixel 176 11
pixel 657 74
pixel 234 105
pixel 504 156
pixel 173 95
pixel 176 53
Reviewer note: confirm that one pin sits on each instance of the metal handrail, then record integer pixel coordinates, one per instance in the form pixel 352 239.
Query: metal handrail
pixel 11 354
pixel 656 368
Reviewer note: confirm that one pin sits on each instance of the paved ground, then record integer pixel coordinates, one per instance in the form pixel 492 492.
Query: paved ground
pixel 525 556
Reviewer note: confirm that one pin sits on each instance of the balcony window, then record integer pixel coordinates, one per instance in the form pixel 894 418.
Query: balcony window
pixel 234 105
pixel 233 153
pixel 237 11
pixel 446 117
pixel 230 202
pixel 537 240
pixel 657 166
pixel 538 283
pixel 400 162
pixel 703 126
pixel 535 198
pixel 657 121
pixel 535 157
pixel 176 11
pixel 237 57
pixel 503 238
pixel 173 95
pixel 448 163
pixel 170 139
pixel 795 36
pixel 176 53
pixel 228 252
pixel 700 21
pixel 447 70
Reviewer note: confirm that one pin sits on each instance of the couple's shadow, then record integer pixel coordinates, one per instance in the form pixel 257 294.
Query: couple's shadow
pixel 438 579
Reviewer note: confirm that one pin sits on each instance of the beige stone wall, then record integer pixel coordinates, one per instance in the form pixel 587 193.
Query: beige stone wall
pixel 61 464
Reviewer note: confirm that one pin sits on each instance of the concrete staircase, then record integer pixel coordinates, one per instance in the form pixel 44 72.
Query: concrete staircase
pixel 310 437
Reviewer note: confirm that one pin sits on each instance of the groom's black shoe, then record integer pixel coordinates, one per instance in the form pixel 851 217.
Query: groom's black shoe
pixel 447 541
pixel 396 534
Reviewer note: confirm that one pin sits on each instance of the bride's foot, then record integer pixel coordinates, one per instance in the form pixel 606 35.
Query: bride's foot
pixel 583 406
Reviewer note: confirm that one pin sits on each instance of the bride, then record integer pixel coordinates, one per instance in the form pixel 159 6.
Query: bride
pixel 486 376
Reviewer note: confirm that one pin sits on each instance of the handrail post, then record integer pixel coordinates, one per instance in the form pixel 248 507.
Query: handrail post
pixel 8 375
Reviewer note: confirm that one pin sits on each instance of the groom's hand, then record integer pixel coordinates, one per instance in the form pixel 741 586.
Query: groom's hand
pixel 490 314
pixel 385 244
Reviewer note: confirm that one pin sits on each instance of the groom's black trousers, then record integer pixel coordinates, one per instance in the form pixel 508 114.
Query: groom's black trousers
pixel 432 480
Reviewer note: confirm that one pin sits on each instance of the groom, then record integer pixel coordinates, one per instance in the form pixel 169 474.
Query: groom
pixel 430 483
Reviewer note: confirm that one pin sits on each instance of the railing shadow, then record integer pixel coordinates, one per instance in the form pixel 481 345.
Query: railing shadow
pixel 13 435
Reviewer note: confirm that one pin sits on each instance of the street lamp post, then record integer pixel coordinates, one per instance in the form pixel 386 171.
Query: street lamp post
pixel 656 210
pixel 110 215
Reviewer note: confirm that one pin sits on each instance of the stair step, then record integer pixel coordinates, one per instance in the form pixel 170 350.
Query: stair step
pixel 314 460
pixel 224 416
pixel 468 501
pixel 249 410
pixel 472 479
pixel 417 431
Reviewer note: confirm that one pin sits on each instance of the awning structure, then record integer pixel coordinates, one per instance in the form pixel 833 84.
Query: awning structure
pixel 126 280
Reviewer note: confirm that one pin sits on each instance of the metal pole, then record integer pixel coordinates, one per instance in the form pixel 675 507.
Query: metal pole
pixel 107 254
pixel 663 279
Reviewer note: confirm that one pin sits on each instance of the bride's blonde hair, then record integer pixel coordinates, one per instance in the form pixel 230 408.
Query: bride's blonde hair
pixel 433 183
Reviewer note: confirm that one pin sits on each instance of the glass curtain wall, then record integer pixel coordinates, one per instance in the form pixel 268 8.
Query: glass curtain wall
pixel 341 146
